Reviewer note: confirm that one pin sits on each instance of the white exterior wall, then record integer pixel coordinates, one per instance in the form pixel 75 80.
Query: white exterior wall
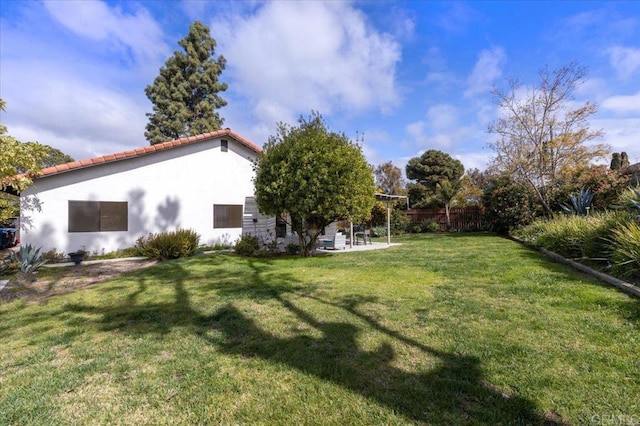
pixel 165 190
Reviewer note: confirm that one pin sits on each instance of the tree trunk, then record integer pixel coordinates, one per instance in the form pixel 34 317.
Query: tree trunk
pixel 447 212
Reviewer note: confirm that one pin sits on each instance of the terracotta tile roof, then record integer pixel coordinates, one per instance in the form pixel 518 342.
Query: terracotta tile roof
pixel 147 150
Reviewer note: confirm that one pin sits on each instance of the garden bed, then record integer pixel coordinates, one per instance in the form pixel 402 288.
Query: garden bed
pixel 65 279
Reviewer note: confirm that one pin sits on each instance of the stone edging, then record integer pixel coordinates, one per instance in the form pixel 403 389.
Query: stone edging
pixel 622 285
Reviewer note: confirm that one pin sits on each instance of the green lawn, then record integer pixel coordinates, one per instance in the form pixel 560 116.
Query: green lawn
pixel 445 329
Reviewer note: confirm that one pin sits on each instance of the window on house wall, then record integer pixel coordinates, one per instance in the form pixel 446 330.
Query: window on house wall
pixel 227 215
pixel 281 227
pixel 98 216
pixel 224 145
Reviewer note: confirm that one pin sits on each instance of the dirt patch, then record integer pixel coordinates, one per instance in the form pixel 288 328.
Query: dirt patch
pixel 55 281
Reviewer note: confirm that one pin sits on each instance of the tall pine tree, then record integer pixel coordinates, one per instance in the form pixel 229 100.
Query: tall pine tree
pixel 185 95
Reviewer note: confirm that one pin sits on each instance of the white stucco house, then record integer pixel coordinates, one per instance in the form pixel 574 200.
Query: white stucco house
pixel 105 203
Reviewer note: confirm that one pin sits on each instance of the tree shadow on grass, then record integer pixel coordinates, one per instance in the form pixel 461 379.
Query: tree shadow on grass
pixel 451 390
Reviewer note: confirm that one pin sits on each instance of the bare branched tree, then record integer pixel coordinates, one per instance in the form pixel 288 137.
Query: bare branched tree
pixel 543 135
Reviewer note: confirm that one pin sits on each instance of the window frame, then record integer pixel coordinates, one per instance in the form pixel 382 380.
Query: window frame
pixel 226 216
pixel 97 216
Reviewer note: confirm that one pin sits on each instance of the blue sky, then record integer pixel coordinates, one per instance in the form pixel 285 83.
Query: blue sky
pixel 409 76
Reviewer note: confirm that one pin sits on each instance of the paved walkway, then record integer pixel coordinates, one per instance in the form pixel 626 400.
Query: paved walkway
pixel 360 247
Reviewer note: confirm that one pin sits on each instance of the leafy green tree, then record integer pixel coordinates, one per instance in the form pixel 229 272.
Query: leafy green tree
pixel 418 195
pixel 185 96
pixel 440 174
pixel 508 204
pixel 445 193
pixel 616 161
pixel 315 176
pixel 434 167
pixel 389 179
pixel 19 164
pixel 542 135
pixel 55 157
pixel 624 160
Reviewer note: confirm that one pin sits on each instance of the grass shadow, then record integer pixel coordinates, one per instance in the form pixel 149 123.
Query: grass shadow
pixel 451 391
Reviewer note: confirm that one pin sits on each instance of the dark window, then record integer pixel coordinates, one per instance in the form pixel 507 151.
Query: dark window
pixel 281 227
pixel 98 216
pixel 227 216
pixel 224 145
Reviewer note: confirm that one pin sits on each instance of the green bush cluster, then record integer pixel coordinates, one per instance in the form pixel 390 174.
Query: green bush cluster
pixel 508 205
pixel 625 248
pixel 399 222
pixel 247 245
pixel 378 231
pixel 604 237
pixel 427 225
pixel 169 245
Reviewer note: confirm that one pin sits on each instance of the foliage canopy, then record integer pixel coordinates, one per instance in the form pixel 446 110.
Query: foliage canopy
pixel 19 164
pixel 315 176
pixel 440 174
pixel 185 96
pixel 433 167
pixel 542 137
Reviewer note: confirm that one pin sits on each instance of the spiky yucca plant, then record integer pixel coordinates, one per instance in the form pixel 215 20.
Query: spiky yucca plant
pixel 580 203
pixel 29 261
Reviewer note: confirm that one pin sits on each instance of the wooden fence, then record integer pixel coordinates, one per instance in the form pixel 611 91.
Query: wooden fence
pixel 462 219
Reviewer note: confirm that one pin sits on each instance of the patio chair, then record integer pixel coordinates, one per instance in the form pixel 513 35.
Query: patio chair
pixel 335 242
pixel 365 234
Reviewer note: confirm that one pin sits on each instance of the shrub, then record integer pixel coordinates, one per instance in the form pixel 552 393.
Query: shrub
pixel 293 249
pixel 429 225
pixel 169 245
pixel 630 199
pixel 29 260
pixel 54 256
pixel 247 245
pixel 414 228
pixel 625 248
pixel 399 221
pixel 508 205
pixel 379 231
pixel 575 236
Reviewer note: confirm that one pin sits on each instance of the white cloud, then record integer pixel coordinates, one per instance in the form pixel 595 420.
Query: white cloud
pixel 291 57
pixel 623 104
pixel 622 134
pixel 626 61
pixel 474 160
pixel 458 17
pixel 486 70
pixel 442 116
pixel 95 20
pixel 75 116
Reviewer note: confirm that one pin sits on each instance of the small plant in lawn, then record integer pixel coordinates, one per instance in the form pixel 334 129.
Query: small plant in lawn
pixel 29 260
pixel 169 245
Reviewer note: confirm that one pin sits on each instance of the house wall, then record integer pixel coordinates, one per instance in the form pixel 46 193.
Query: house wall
pixel 165 190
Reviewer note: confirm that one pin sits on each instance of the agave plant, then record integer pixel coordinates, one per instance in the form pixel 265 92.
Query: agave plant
pixel 29 261
pixel 580 203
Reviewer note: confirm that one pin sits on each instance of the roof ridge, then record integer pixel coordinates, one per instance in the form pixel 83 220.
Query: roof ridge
pixel 136 152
